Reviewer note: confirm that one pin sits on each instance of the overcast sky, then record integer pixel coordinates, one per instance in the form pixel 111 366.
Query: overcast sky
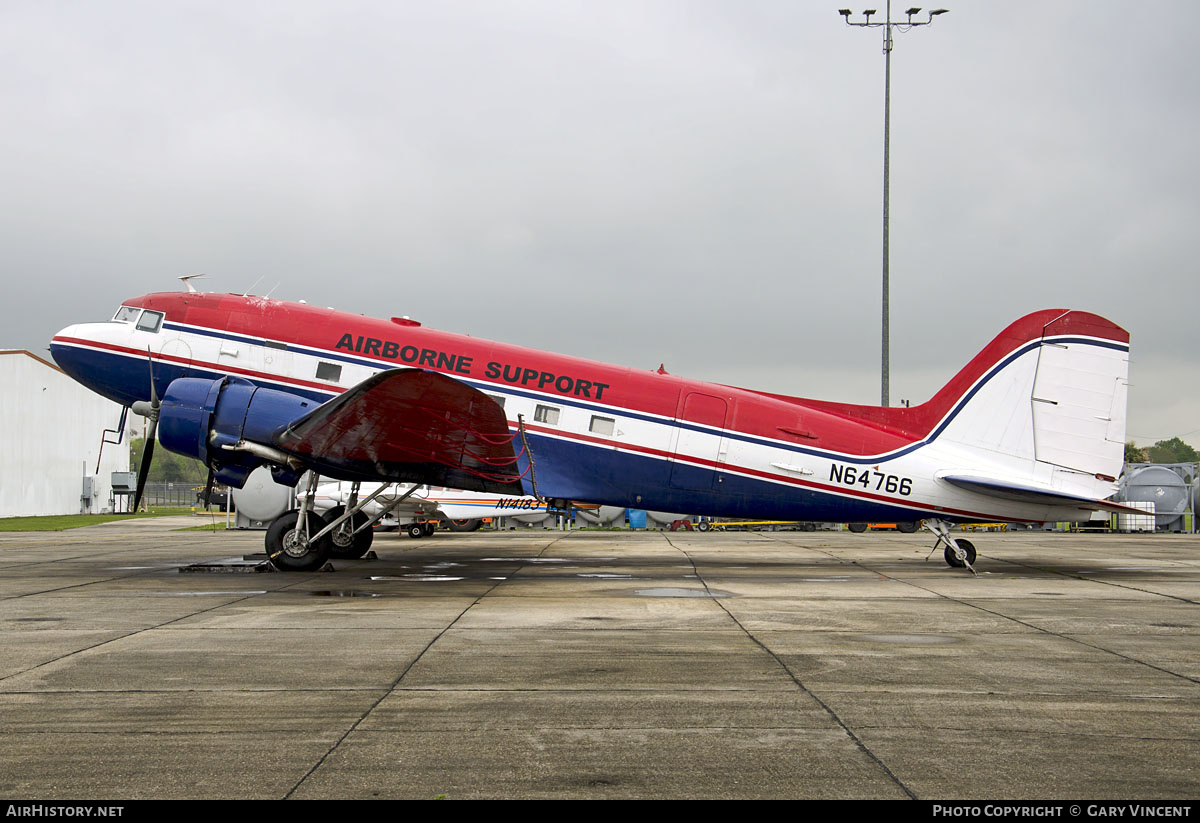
pixel 697 183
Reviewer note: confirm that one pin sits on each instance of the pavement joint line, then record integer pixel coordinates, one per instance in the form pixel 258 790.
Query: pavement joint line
pixel 1017 620
pixel 164 624
pixel 792 675
pixel 1090 580
pixel 396 683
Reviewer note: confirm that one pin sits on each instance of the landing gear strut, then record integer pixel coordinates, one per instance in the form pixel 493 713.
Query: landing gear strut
pixel 292 546
pixel 302 540
pixel 959 553
pixel 350 538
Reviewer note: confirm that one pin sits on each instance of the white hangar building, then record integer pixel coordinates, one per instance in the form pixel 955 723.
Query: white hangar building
pixel 50 433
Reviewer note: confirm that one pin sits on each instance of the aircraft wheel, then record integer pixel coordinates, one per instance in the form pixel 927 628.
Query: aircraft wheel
pixel 907 526
pixel 430 528
pixel 415 530
pixel 292 551
pixel 345 543
pixel 857 528
pixel 464 525
pixel 952 558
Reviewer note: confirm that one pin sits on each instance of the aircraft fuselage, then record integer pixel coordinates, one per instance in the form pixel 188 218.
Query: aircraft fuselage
pixel 626 437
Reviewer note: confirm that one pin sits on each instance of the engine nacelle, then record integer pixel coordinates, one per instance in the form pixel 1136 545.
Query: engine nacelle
pixel 220 422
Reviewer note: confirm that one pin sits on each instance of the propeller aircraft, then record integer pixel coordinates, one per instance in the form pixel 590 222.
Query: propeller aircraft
pixel 1032 429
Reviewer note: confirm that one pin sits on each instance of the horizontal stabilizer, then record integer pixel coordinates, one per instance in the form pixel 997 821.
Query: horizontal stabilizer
pixel 1007 490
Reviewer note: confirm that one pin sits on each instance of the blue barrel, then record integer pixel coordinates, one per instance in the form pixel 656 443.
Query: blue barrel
pixel 637 518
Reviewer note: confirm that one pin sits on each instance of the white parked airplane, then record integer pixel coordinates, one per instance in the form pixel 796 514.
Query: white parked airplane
pixel 416 511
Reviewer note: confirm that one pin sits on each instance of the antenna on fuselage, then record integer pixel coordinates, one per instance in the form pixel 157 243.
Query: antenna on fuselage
pixel 277 285
pixel 187 278
pixel 246 293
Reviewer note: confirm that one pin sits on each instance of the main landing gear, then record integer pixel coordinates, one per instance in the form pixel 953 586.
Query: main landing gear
pixel 302 540
pixel 352 537
pixel 959 552
pixel 296 541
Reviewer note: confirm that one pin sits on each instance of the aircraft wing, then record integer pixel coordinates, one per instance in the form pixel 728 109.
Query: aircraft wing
pixel 1008 490
pixel 409 425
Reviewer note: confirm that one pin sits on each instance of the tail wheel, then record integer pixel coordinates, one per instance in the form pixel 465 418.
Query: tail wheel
pixel 952 556
pixel 344 542
pixel 290 550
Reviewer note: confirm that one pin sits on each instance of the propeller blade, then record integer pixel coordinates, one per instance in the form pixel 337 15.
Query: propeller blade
pixel 144 465
pixel 154 403
pixel 208 487
pixel 149 411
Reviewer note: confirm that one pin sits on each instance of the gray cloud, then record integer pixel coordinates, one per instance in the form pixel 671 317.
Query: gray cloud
pixel 695 183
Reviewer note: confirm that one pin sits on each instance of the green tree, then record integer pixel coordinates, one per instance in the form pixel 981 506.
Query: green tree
pixel 1134 454
pixel 1172 451
pixel 165 466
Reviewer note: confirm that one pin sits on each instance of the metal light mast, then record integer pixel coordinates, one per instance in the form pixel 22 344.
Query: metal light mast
pixel 887 25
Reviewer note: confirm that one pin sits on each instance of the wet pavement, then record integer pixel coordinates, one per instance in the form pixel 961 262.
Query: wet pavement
pixel 606 664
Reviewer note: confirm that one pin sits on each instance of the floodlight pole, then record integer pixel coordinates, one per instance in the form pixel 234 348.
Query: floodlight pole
pixel 886 24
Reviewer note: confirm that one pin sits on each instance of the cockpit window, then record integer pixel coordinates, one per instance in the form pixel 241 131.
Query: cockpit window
pixel 151 321
pixel 127 314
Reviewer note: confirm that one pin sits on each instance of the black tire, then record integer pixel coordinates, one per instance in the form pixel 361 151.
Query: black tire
pixel 415 530
pixel 857 528
pixel 952 558
pixel 342 544
pixel 703 526
pixel 430 528
pixel 908 526
pixel 291 552
pixel 463 525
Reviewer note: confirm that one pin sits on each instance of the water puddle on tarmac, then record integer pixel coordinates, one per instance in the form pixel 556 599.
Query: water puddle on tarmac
pixel 674 592
pixel 343 593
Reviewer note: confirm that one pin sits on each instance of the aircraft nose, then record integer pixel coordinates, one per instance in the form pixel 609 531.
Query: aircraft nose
pixel 66 354
pixel 79 351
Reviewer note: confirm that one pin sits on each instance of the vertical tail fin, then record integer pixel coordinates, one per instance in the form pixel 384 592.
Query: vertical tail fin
pixel 1051 388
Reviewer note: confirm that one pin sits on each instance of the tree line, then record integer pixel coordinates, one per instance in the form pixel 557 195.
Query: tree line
pixel 1164 451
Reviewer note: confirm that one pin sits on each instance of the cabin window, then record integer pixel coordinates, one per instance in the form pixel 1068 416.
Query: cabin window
pixel 546 414
pixel 498 398
pixel 329 371
pixel 274 344
pixel 151 321
pixel 602 425
pixel 127 314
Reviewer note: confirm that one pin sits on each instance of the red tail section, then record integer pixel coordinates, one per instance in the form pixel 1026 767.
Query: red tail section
pixel 918 422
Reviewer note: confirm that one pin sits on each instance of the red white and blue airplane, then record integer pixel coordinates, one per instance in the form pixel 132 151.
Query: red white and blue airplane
pixel 1032 429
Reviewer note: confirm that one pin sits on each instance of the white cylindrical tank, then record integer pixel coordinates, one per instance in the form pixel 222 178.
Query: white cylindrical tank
pixel 1162 487
pixel 261 500
pixel 536 518
pixel 602 516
